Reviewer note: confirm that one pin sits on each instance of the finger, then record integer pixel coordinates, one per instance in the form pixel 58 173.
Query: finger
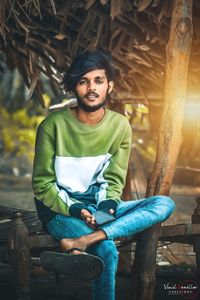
pixel 112 211
pixel 93 226
pixel 93 221
pixel 86 215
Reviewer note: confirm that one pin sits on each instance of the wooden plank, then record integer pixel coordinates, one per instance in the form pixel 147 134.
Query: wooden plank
pixel 170 137
pixel 30 219
pixel 42 241
pixel 178 239
pixel 180 230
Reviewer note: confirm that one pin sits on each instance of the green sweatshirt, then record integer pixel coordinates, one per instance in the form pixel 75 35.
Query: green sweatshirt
pixel 77 164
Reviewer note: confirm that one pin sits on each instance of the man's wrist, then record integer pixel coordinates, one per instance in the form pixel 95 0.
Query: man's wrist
pixel 107 205
pixel 76 208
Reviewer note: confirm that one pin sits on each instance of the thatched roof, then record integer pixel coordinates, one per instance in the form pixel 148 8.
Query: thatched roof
pixel 43 37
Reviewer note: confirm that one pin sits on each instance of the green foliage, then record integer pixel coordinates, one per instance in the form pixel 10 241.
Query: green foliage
pixel 17 132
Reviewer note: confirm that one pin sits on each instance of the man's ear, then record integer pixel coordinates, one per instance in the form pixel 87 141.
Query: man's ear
pixel 110 86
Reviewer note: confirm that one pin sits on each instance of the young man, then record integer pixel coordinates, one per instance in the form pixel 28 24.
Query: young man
pixel 80 167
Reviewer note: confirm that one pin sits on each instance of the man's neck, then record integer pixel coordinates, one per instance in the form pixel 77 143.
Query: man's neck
pixel 90 118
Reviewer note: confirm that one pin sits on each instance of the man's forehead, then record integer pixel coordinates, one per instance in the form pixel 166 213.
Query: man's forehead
pixel 95 73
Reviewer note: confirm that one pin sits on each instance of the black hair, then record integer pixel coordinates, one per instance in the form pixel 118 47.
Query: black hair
pixel 86 62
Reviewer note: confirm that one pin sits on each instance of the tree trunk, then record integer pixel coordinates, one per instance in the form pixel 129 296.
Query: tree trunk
pixel 170 138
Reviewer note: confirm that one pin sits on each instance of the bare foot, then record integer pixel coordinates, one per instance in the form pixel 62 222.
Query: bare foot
pixel 82 242
pixel 76 251
pixel 67 244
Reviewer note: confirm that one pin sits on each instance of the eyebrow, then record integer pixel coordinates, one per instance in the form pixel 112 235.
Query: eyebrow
pixel 97 77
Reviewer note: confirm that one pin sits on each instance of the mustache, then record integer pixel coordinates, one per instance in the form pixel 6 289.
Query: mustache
pixel 92 94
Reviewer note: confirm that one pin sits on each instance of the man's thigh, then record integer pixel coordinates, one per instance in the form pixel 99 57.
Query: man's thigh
pixel 128 206
pixel 61 227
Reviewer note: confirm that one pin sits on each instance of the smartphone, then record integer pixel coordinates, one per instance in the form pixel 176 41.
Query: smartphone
pixel 103 217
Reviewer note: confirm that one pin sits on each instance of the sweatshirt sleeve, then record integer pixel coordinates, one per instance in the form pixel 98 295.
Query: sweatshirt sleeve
pixel 44 178
pixel 115 174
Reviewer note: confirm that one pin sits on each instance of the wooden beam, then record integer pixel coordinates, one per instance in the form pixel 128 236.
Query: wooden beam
pixel 183 230
pixel 178 54
pixel 42 241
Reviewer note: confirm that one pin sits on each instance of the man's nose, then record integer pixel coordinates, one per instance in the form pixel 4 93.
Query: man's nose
pixel 91 86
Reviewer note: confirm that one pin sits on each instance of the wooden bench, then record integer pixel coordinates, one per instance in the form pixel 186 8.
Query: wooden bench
pixel 23 238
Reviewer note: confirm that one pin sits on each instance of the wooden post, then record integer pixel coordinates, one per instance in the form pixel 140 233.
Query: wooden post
pixel 170 138
pixel 124 265
pixel 18 244
pixel 125 256
pixel 196 242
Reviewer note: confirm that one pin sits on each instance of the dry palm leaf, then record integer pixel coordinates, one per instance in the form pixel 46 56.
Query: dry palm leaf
pixel 99 31
pixel 2 19
pixel 130 43
pixel 85 27
pixel 103 2
pixel 53 7
pixel 39 92
pixel 10 59
pixel 89 3
pixel 143 4
pixel 116 32
pixel 163 12
pixel 116 8
pixel 65 17
pixel 36 4
pixel 50 73
pixel 141 59
pixel 155 3
pixel 33 61
pixel 120 43
pixel 36 34
pixel 60 56
pixel 34 81
pixel 23 71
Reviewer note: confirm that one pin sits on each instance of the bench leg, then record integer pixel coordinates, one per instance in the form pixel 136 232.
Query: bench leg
pixel 144 267
pixel 196 247
pixel 18 244
pixel 196 243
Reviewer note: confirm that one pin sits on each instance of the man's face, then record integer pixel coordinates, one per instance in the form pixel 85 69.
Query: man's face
pixel 92 90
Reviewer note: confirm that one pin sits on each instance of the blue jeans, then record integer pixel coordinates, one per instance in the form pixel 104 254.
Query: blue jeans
pixel 131 217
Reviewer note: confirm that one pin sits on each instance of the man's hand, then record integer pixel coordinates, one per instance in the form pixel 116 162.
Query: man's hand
pixel 88 218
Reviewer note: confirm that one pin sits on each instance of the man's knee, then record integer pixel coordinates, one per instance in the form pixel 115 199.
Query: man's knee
pixel 165 204
pixel 166 201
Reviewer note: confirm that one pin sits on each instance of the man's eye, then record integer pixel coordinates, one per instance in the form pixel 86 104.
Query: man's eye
pixel 81 82
pixel 99 81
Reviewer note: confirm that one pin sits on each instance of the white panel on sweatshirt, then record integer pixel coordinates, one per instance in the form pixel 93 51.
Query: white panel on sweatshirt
pixel 77 174
pixel 101 195
pixel 65 198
